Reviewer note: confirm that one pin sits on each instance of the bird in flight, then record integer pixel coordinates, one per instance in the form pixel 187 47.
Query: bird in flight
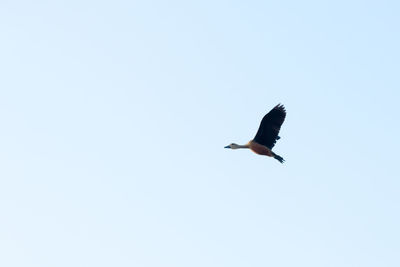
pixel 267 134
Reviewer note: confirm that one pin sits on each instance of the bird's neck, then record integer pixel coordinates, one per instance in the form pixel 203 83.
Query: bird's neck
pixel 243 146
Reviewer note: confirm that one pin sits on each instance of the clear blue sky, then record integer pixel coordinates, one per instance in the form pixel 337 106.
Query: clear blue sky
pixel 114 115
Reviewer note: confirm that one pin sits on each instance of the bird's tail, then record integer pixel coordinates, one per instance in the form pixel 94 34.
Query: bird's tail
pixel 279 158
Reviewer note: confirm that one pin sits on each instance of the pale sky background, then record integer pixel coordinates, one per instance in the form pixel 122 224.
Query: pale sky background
pixel 114 115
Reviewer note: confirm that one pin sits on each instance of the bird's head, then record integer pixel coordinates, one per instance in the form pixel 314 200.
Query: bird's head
pixel 232 146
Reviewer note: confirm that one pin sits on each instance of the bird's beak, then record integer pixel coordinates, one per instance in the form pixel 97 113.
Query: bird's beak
pixel 227 147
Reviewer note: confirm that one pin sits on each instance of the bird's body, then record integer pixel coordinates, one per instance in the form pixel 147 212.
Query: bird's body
pixel 260 149
pixel 267 134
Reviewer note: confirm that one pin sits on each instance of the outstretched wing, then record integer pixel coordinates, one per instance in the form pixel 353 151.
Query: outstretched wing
pixel 267 133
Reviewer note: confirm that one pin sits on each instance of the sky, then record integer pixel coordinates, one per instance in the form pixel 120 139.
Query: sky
pixel 114 115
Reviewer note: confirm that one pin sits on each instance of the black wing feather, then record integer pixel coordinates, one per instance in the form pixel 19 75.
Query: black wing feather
pixel 268 131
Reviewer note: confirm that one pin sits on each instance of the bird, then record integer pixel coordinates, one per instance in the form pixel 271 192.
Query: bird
pixel 267 134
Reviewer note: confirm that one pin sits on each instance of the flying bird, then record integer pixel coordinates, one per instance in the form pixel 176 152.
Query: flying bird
pixel 267 134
